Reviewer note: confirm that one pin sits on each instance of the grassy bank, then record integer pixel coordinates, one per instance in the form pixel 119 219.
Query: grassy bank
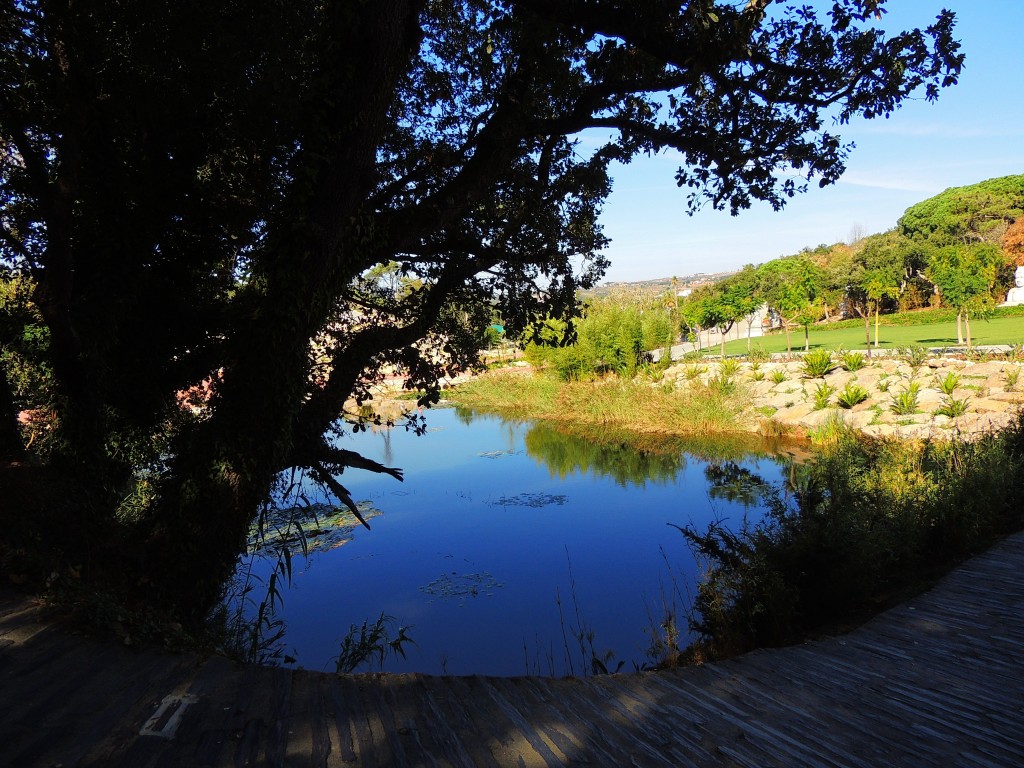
pixel 632 405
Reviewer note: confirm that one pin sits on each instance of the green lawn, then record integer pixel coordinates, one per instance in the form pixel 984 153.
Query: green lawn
pixel 999 330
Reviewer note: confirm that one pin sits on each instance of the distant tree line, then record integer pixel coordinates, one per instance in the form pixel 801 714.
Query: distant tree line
pixel 958 249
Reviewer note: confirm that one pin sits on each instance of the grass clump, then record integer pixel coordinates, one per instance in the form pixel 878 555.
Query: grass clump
pixel 758 355
pixel 778 376
pixel 818 363
pixel 371 642
pixel 692 371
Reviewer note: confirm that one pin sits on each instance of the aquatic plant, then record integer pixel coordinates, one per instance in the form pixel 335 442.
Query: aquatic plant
pixel 367 643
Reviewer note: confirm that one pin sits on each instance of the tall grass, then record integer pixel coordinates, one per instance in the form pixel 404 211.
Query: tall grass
pixel 612 402
pixel 865 524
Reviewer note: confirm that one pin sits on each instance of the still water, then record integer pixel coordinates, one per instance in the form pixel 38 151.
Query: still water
pixel 506 540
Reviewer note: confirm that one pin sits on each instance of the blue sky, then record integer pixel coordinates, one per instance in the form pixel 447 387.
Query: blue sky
pixel 975 131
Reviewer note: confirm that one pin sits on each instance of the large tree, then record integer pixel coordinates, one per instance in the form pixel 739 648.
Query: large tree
pixel 199 190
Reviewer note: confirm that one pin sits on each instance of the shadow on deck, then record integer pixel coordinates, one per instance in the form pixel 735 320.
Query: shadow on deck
pixel 936 682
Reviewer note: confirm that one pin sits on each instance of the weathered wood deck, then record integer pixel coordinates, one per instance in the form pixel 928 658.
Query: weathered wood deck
pixel 936 682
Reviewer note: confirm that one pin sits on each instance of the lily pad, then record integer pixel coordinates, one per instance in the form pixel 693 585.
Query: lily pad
pixel 321 526
pixel 532 500
pixel 462 586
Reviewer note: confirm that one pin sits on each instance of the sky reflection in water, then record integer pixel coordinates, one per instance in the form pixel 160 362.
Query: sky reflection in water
pixel 492 526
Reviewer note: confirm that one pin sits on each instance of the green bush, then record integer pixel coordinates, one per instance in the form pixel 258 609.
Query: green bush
pixel 822 395
pixel 852 361
pixel 729 367
pixel 949 383
pixel 818 363
pixel 905 403
pixel 851 395
pixel 914 354
pixel 952 406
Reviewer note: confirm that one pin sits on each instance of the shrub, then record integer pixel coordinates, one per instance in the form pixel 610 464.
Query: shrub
pixel 949 383
pixel 778 376
pixel 915 354
pixel 822 395
pixel 851 395
pixel 758 355
pixel 730 367
pixel 1012 374
pixel 905 403
pixel 952 406
pixel 818 363
pixel 852 361
pixel 691 371
pixel 862 522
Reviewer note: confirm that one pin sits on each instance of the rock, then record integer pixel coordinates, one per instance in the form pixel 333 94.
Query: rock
pixel 795 413
pixel 991 405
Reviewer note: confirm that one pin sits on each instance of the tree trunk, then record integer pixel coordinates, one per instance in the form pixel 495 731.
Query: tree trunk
pixel 807 338
pixel 11 446
pixel 876 323
pixel 967 324
pixel 959 327
pixel 223 470
pixel 789 346
pixel 867 331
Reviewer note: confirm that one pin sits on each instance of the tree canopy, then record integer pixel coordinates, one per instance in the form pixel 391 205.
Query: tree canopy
pixel 198 194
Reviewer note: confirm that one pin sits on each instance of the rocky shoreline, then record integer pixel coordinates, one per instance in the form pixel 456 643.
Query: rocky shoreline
pixel 782 394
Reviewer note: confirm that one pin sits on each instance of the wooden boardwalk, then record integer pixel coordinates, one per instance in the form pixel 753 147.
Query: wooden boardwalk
pixel 936 682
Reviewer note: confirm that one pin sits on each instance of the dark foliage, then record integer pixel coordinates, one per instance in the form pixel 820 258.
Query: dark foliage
pixel 280 199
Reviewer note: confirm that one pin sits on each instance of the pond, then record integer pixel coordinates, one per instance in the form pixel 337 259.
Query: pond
pixel 508 541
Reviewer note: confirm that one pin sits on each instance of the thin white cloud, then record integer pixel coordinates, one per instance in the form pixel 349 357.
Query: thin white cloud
pixel 889 181
pixel 897 127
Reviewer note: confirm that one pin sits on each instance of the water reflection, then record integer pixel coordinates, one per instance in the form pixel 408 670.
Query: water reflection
pixel 506 538
pixel 732 482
